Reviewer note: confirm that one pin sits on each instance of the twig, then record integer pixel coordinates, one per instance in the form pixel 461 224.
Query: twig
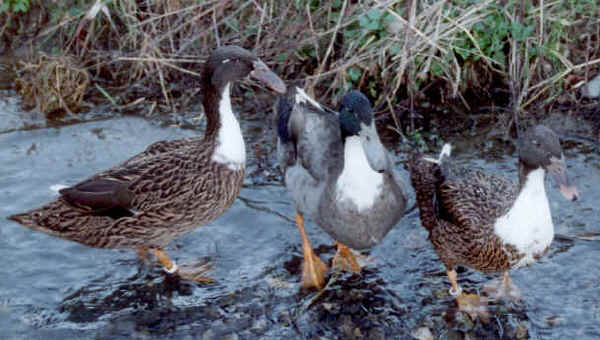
pixel 332 41
pixel 214 19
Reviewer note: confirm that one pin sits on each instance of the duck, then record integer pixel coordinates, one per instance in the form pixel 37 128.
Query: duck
pixel 485 221
pixel 339 175
pixel 170 188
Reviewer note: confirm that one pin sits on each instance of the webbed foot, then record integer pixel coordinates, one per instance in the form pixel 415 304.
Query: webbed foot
pixel 503 288
pixel 472 304
pixel 345 259
pixel 191 272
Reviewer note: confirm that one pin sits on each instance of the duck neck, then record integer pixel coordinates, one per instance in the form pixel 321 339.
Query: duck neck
pixel 222 128
pixel 527 173
pixel 531 185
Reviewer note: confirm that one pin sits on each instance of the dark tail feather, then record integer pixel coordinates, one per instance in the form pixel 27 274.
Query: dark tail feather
pixel 425 177
pixel 24 219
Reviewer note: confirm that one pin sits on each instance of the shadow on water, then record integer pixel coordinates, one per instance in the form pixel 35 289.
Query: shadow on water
pixel 53 288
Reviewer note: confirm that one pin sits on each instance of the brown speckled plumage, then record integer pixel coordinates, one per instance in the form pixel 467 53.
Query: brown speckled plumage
pixel 169 189
pixel 175 191
pixel 459 208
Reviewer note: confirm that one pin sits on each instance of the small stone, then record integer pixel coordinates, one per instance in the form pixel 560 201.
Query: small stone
pixel 522 332
pixel 422 333
pixel 592 88
pixel 554 320
pixel 453 334
pixel 260 324
pixel 209 335
pixel 358 333
pixel 376 334
pixel 231 336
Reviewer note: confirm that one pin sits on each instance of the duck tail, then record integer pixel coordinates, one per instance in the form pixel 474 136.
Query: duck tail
pixel 30 220
pixel 425 177
pixel 56 218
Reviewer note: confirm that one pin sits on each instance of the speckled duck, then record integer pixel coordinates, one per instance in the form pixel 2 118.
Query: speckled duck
pixel 485 221
pixel 169 189
pixel 339 175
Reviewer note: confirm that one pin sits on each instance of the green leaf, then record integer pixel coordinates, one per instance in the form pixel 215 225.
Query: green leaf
pixel 354 73
pixel 283 56
pixel 374 14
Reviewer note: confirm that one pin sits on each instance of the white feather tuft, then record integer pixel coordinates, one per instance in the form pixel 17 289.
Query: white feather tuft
pixel 446 149
pixel 57 187
pixel 302 97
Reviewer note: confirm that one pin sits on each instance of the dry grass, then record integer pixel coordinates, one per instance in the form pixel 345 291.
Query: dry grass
pixel 146 55
pixel 52 83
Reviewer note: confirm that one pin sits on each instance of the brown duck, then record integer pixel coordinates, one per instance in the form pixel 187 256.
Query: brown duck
pixel 485 221
pixel 170 188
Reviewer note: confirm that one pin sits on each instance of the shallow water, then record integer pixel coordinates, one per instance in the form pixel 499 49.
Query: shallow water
pixel 52 288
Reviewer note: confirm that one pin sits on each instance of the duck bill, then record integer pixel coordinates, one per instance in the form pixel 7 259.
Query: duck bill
pixel 263 74
pixel 374 150
pixel 558 171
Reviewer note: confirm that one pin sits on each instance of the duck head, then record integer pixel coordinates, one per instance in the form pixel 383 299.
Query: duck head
pixel 540 147
pixel 230 63
pixel 356 120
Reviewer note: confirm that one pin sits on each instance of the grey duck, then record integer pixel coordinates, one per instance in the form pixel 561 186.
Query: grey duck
pixel 486 221
pixel 339 175
pixel 170 188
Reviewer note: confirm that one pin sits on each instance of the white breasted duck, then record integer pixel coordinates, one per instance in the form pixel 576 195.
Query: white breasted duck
pixel 485 221
pixel 173 186
pixel 339 175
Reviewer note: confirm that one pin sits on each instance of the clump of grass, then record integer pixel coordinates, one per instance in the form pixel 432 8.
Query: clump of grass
pixel 52 83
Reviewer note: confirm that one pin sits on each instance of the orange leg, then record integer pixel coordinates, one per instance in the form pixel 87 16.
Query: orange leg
pixel 162 257
pixel 142 254
pixel 345 260
pixel 186 272
pixel 313 269
pixel 455 290
pixel 471 304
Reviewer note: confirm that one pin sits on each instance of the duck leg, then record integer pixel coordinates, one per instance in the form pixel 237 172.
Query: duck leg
pixel 471 304
pixel 503 288
pixel 143 254
pixel 313 269
pixel 345 260
pixel 186 272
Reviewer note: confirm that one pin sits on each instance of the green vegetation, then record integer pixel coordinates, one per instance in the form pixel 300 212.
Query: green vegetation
pixel 408 56
pixel 14 6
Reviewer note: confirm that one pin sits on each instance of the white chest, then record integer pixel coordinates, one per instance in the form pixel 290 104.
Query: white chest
pixel 230 149
pixel 528 224
pixel 358 182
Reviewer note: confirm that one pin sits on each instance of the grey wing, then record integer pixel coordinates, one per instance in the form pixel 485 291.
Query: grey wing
pixel 319 143
pixel 310 137
pixel 401 177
